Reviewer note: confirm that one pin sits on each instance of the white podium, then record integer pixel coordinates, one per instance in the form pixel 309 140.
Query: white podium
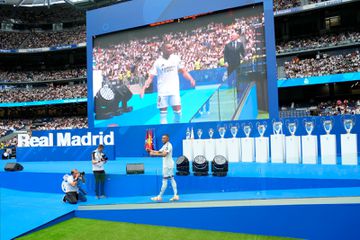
pixel 233 147
pixel 328 149
pixel 247 149
pixel 292 149
pixel 209 149
pixel 277 148
pixel 198 147
pixel 262 149
pixel 220 147
pixel 349 154
pixel 309 152
pixel 188 149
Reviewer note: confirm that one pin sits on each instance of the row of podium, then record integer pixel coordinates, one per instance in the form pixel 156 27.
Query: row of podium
pixel 276 149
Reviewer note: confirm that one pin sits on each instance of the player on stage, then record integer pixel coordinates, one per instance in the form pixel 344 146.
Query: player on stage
pixel 166 68
pixel 168 168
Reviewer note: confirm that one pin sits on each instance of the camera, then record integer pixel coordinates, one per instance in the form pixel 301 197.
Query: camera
pixel 82 174
pixel 104 157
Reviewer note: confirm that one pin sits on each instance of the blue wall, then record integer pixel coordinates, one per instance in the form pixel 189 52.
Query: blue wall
pixel 129 141
pixel 336 221
pixel 68 153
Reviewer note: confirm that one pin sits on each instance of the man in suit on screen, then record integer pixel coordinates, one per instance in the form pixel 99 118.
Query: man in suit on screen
pixel 234 52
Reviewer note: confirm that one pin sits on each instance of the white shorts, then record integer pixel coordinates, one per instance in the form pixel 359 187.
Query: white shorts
pixel 168 172
pixel 166 101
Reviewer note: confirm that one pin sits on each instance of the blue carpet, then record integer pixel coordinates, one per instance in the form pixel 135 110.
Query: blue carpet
pixel 24 211
pixel 243 195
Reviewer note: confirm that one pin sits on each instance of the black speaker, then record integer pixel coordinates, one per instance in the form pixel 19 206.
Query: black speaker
pixel 182 166
pixel 13 167
pixel 135 168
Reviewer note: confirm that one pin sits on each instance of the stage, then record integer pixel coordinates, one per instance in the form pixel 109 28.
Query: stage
pixel 293 189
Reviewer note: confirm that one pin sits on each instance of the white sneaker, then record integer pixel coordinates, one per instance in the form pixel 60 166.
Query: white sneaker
pixel 156 199
pixel 174 198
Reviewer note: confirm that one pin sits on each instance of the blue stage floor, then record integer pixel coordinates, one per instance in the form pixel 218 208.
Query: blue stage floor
pixel 153 166
pixel 23 211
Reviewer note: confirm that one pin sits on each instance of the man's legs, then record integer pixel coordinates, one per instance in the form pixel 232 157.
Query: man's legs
pixel 167 174
pixel 82 197
pixel 163 116
pixel 102 183
pixel 177 113
pixel 175 102
pixel 71 197
pixel 163 187
pixel 97 183
pixel 162 105
pixel 174 186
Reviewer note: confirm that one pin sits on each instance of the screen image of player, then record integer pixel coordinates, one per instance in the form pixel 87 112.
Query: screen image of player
pixel 196 69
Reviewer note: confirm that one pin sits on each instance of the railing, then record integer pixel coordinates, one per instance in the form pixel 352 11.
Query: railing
pixel 226 102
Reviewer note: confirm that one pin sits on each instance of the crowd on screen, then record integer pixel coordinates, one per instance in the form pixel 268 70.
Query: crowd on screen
pixel 286 4
pixel 199 48
pixel 10 126
pixel 339 107
pixel 41 93
pixel 324 108
pixel 318 42
pixel 323 64
pixel 35 76
pixel 36 39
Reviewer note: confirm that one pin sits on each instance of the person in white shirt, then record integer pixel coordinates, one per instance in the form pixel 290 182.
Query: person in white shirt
pixel 167 68
pixel 6 154
pixel 168 168
pixel 71 188
pixel 98 160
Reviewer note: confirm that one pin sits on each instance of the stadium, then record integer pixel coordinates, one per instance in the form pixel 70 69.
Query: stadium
pixel 179 119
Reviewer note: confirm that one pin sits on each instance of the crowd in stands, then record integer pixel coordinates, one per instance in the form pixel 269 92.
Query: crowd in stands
pixel 40 93
pixel 12 40
pixel 286 4
pixel 41 15
pixel 39 39
pixel 199 48
pixel 55 38
pixel 319 42
pixel 323 64
pixel 36 76
pixel 10 126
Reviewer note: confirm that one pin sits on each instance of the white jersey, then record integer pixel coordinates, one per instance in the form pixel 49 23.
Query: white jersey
pixel 168 161
pixel 167 72
pixel 97 157
pixel 67 185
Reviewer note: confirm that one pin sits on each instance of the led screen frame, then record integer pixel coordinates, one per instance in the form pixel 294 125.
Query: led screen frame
pixel 140 13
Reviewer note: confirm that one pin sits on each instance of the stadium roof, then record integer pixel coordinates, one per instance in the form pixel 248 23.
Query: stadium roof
pixel 48 3
pixel 38 3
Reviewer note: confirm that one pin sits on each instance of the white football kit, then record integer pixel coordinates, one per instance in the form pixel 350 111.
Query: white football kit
pixel 168 162
pixel 168 82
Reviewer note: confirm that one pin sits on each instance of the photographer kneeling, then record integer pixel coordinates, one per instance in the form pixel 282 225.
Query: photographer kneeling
pixel 72 187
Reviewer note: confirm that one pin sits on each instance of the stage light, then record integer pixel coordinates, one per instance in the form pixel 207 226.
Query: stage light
pixel 182 166
pixel 219 166
pixel 200 166
pixel 108 98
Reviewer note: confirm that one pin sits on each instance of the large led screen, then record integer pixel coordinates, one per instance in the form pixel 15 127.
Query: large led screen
pixel 209 67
